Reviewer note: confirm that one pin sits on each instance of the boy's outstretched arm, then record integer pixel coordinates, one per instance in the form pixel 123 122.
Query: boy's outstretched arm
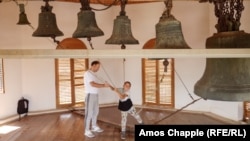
pixel 121 96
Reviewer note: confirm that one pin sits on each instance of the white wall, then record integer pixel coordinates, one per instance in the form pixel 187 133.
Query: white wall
pixel 12 67
pixel 35 79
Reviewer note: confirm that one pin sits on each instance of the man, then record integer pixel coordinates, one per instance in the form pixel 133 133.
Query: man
pixel 91 100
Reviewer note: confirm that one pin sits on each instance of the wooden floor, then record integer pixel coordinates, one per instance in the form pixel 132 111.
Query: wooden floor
pixel 69 126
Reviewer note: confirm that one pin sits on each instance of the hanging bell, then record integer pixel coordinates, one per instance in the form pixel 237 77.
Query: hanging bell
pixel 22 16
pixel 122 32
pixel 169 34
pixel 226 79
pixel 168 31
pixel 87 26
pixel 47 26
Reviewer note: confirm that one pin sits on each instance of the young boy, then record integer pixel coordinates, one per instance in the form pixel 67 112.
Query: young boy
pixel 126 106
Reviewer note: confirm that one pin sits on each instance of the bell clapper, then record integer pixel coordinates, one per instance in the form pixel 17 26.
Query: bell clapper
pixel 90 43
pixel 54 39
pixel 123 46
pixel 165 63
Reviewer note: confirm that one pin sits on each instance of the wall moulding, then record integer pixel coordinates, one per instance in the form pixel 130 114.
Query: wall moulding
pixel 125 53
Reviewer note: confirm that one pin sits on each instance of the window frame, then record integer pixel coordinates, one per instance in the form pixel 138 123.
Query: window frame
pixel 246 111
pixel 2 86
pixel 73 85
pixel 158 95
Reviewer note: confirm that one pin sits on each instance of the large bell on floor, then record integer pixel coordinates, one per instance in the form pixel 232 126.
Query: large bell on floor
pixel 226 79
pixel 122 32
pixel 22 16
pixel 87 26
pixel 47 26
pixel 169 34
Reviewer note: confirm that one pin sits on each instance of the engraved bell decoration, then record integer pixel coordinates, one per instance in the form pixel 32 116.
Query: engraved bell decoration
pixel 226 79
pixel 22 16
pixel 47 26
pixel 168 31
pixel 87 26
pixel 122 33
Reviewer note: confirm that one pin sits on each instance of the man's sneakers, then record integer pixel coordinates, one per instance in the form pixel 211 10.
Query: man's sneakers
pixel 97 129
pixel 89 134
pixel 123 135
pixel 142 123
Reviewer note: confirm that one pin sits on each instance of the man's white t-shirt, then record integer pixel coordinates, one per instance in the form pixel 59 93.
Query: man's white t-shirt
pixel 89 76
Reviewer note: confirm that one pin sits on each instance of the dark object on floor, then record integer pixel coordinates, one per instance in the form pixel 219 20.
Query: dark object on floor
pixel 22 107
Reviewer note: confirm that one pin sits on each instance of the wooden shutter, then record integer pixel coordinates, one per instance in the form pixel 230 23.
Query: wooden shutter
pixel 1 77
pixel 64 81
pixel 79 68
pixel 157 84
pixel 70 87
pixel 246 114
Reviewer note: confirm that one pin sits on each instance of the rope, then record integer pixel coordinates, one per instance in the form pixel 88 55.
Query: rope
pixel 124 69
pixel 108 76
pixel 183 106
pixel 184 85
pixel 98 77
pixel 177 111
pixel 142 107
pixel 108 6
pixel 90 43
pixel 101 79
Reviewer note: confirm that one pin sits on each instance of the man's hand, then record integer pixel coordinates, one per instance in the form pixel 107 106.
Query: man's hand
pixel 106 84
pixel 112 88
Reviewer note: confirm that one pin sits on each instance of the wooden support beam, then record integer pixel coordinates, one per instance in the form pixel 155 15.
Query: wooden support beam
pixel 125 53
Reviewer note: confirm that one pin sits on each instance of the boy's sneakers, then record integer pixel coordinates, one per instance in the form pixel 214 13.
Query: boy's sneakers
pixel 96 129
pixel 89 134
pixel 142 123
pixel 123 135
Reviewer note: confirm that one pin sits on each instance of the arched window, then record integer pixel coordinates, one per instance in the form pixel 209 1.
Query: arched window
pixel 69 76
pixel 157 80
